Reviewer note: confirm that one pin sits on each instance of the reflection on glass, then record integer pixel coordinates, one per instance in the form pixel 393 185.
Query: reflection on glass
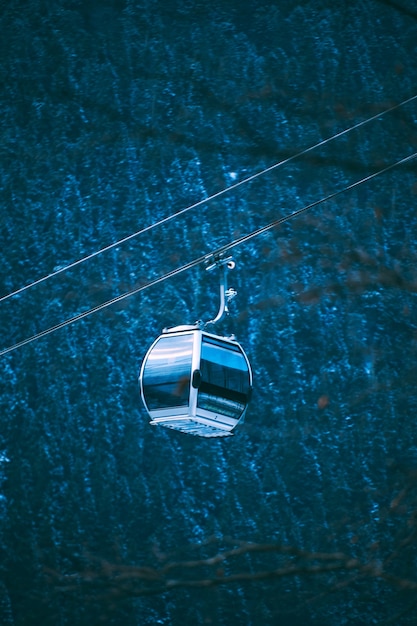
pixel 167 372
pixel 225 379
pixel 215 403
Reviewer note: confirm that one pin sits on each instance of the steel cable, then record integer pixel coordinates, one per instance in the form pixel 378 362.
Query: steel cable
pixel 205 257
pixel 205 200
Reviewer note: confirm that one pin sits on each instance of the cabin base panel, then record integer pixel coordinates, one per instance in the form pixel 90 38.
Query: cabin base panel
pixel 193 427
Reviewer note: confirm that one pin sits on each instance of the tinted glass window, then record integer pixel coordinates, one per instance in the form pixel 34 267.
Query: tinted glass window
pixel 167 372
pixel 225 378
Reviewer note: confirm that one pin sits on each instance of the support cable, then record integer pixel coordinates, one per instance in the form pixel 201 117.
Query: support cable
pixel 205 257
pixel 205 200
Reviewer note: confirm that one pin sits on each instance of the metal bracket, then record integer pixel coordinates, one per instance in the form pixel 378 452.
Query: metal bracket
pixel 225 263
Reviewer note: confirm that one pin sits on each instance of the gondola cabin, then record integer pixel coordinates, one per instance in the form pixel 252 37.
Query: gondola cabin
pixel 196 382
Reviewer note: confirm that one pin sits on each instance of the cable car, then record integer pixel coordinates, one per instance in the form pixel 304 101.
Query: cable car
pixel 195 381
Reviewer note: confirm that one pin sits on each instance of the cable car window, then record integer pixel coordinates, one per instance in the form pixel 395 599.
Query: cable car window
pixel 167 373
pixel 225 378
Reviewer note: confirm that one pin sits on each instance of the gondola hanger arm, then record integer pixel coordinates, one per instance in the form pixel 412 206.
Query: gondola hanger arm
pixel 225 264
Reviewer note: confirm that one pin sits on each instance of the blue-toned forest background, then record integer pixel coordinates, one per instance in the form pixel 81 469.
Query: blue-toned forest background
pixel 115 114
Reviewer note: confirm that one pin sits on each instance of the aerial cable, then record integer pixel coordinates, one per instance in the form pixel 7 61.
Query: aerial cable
pixel 205 257
pixel 204 200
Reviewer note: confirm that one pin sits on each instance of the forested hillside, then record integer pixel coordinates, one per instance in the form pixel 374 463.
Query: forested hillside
pixel 115 115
